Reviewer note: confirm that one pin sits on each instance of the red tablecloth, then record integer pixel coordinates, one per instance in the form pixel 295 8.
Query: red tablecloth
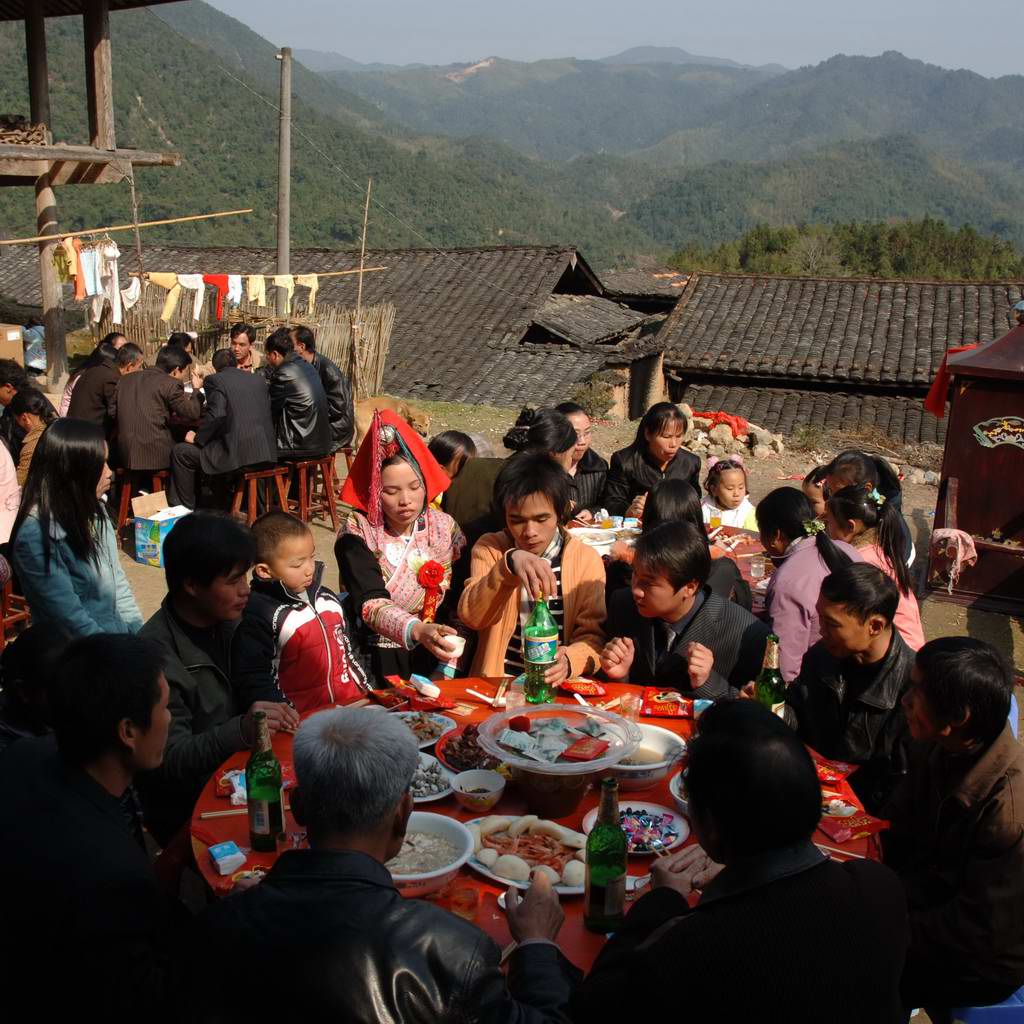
pixel 579 945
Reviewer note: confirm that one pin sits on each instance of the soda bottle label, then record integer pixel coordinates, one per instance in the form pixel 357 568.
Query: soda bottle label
pixel 540 650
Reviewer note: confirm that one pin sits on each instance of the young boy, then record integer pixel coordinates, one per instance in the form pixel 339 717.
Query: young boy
pixel 670 630
pixel 533 554
pixel 292 643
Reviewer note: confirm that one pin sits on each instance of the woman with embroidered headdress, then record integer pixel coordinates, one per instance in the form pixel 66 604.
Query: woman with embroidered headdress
pixel 395 553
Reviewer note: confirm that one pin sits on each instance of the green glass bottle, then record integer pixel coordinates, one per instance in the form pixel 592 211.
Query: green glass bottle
pixel 770 687
pixel 263 790
pixel 540 648
pixel 604 901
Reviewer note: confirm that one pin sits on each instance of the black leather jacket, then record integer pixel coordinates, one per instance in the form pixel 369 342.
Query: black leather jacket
pixel 844 713
pixel 589 481
pixel 633 472
pixel 339 401
pixel 345 946
pixel 298 403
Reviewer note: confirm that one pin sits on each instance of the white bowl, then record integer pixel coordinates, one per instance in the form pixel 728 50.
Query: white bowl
pixel 448 828
pixel 670 746
pixel 675 787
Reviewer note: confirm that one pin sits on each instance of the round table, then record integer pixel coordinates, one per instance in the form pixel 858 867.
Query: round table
pixel 578 944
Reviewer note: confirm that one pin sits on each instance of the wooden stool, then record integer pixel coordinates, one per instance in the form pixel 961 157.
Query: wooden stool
pixel 126 476
pixel 247 489
pixel 15 611
pixel 315 498
pixel 350 456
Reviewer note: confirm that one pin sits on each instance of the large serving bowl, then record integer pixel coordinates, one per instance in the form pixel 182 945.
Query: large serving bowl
pixel 667 748
pixel 677 787
pixel 555 790
pixel 447 828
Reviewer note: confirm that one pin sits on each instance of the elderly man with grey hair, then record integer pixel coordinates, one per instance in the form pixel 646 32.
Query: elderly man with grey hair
pixel 326 935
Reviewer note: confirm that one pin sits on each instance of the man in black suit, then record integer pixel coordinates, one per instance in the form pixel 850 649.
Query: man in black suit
pixel 95 396
pixel 236 430
pixel 670 630
pixel 336 385
pixel 147 402
pixel 298 402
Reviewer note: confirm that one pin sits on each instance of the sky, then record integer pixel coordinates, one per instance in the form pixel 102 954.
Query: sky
pixel 982 35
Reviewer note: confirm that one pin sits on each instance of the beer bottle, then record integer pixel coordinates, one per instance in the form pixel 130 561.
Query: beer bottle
pixel 604 900
pixel 263 790
pixel 540 648
pixel 770 687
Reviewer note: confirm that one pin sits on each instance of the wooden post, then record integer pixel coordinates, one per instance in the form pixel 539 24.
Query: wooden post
pixel 284 171
pixel 99 84
pixel 46 203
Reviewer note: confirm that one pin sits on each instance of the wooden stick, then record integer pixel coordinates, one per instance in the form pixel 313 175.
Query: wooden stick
pixel 842 853
pixel 233 813
pixel 329 273
pixel 122 227
pixel 362 251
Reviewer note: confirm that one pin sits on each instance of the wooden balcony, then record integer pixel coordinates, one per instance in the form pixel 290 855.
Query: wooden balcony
pixel 74 165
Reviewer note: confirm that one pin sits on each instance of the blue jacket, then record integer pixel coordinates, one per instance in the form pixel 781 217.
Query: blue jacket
pixel 83 597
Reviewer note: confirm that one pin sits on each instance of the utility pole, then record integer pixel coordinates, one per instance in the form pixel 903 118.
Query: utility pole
pixel 284 172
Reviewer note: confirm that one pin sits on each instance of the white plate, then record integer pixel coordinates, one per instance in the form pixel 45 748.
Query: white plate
pixel 446 723
pixel 425 761
pixel 562 890
pixel 677 819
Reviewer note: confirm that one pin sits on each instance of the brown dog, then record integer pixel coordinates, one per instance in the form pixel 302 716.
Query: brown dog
pixel 418 419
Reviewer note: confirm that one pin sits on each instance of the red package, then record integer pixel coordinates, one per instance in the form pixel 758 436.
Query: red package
pixel 389 698
pixel 584 687
pixel 665 704
pixel 417 702
pixel 831 773
pixel 857 826
pixel 585 749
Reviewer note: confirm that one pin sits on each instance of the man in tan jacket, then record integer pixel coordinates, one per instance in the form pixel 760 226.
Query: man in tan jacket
pixel 534 555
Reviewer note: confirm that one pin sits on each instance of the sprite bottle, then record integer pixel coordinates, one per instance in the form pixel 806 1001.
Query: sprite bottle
pixel 770 687
pixel 540 648
pixel 263 790
pixel 604 900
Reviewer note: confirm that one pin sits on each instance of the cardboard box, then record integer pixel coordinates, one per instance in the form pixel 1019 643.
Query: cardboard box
pixel 12 345
pixel 154 520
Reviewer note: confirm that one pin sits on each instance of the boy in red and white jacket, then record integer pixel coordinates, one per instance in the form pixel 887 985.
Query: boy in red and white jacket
pixel 292 643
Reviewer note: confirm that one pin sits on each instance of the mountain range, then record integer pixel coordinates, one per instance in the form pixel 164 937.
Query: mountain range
pixel 631 156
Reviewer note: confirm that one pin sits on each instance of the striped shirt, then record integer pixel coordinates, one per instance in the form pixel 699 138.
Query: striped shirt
pixel 514 665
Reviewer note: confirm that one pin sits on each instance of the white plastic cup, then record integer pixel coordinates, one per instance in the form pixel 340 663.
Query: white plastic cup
pixel 458 643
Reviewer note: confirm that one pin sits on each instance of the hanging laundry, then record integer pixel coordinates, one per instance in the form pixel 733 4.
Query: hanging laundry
pixel 60 264
pixel 76 248
pixel 256 289
pixel 110 280
pixel 195 282
pixel 89 263
pixel 170 282
pixel 220 282
pixel 131 294
pixel 287 282
pixel 71 252
pixel 234 289
pixel 312 282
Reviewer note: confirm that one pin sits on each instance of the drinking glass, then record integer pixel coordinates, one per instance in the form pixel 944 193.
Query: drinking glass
pixel 629 706
pixel 757 567
pixel 514 699
pixel 715 521
pixel 465 902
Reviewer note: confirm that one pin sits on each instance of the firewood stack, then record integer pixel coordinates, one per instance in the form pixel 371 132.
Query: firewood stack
pixel 19 130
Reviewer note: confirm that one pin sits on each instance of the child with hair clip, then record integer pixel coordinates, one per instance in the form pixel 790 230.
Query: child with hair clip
pixel 861 516
pixel 726 502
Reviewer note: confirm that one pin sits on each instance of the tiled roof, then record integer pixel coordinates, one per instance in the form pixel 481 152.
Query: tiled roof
pixel 830 330
pixel 642 284
pixel 587 319
pixel 784 411
pixel 460 313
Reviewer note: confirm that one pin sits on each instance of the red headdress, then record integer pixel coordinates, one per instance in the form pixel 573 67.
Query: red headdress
pixel 389 435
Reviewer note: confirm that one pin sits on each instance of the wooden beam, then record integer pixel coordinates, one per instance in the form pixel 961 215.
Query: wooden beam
pixel 38 71
pixel 88 154
pixel 99 83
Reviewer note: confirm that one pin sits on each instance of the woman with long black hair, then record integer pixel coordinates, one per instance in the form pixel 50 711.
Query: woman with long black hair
pixel 804 555
pixel 656 454
pixel 33 413
pixel 63 544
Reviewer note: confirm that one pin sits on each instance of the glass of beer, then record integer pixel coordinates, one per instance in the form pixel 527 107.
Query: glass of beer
pixel 716 520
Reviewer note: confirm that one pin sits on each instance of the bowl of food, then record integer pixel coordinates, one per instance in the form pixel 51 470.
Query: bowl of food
pixel 460 751
pixel 652 760
pixel 427 727
pixel 677 787
pixel 430 781
pixel 434 849
pixel 555 751
pixel 478 790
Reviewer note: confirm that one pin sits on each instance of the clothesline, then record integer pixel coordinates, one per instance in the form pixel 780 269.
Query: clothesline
pixel 122 227
pixel 329 273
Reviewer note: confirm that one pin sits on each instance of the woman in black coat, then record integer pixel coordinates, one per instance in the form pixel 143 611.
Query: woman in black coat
pixel 656 454
pixel 588 470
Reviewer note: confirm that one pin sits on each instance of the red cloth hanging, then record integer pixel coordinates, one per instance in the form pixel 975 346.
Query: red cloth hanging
pixel 935 402
pixel 737 424
pixel 362 488
pixel 220 282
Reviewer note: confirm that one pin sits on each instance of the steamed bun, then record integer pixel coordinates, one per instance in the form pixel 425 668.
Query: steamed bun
pixel 514 868
pixel 487 857
pixel 574 873
pixel 543 869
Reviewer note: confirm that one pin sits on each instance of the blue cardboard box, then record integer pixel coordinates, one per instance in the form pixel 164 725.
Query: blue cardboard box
pixel 154 520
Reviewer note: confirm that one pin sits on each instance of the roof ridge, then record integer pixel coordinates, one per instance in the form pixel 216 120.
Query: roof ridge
pixel 736 275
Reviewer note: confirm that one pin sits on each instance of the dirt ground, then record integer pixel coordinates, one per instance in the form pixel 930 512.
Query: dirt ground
pixel 939 618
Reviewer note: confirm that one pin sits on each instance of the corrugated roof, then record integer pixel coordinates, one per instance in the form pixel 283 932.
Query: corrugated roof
pixel 785 411
pixel 830 330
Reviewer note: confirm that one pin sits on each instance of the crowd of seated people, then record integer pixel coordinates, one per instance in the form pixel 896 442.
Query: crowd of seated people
pixel 111 726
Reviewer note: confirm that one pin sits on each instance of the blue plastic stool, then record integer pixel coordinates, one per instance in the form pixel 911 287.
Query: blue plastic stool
pixel 1002 1013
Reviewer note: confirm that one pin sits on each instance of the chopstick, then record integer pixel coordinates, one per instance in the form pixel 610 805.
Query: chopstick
pixel 480 696
pixel 507 952
pixel 499 696
pixel 580 700
pixel 842 853
pixel 233 813
pixel 610 704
